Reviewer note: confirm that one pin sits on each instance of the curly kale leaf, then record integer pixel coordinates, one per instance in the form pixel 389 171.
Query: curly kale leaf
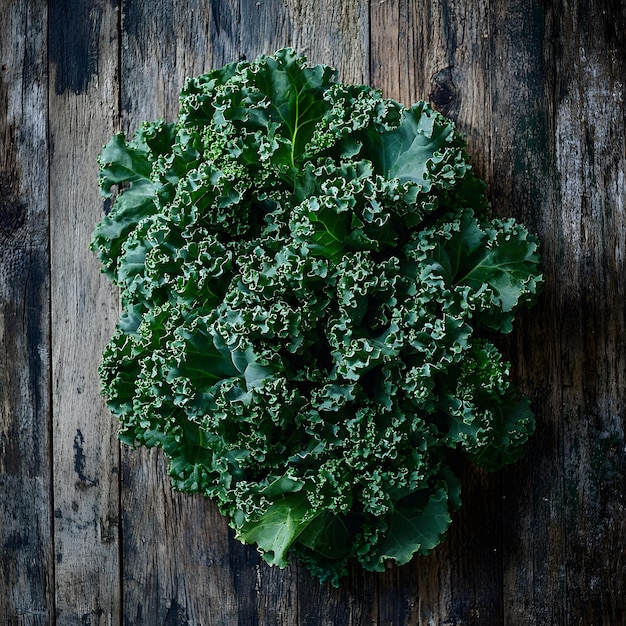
pixel 311 291
pixel 129 165
pixel 417 525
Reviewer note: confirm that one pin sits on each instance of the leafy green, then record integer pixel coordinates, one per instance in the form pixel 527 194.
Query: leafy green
pixel 279 526
pixel 311 288
pixel 417 525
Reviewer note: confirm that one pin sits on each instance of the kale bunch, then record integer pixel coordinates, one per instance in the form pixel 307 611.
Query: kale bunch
pixel 310 284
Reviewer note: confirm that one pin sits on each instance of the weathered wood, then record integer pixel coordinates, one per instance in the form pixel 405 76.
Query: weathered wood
pixel 563 159
pixel 83 115
pixel 177 563
pixel 590 150
pixel 26 563
pixel 177 567
pixel 523 185
pixel 332 33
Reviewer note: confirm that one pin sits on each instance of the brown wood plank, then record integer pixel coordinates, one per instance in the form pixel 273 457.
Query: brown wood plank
pixel 438 51
pixel 562 160
pixel 523 186
pixel 26 563
pixel 83 52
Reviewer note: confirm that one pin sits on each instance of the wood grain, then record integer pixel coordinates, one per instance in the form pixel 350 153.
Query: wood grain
pixel 177 563
pixel 568 110
pixel 83 115
pixel 26 566
pixel 585 240
pixel 523 185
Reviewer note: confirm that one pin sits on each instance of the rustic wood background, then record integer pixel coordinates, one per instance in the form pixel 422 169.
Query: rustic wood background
pixel 91 533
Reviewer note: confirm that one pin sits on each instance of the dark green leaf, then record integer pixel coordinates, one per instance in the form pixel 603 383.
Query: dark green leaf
pixel 423 142
pixel 417 525
pixel 277 529
pixel 327 535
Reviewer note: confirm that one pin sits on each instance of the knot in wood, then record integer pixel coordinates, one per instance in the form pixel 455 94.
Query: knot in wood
pixel 444 91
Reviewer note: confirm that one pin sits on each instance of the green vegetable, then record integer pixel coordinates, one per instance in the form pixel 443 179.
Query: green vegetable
pixel 311 285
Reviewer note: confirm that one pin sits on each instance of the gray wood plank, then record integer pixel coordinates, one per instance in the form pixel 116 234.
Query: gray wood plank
pixel 590 152
pixel 178 567
pixel 83 51
pixel 26 563
pixel 332 33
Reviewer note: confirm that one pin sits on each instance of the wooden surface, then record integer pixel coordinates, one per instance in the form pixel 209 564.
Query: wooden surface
pixel 92 534
pixel 83 110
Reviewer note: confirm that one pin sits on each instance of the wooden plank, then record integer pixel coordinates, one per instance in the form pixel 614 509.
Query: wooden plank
pixel 178 567
pixel 590 152
pixel 176 558
pixel 83 50
pixel 332 33
pixel 577 576
pixel 163 44
pixel 26 566
pixel 563 137
pixel 438 51
pixel 523 186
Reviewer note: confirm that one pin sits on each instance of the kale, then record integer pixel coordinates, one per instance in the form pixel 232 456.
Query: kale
pixel 311 285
